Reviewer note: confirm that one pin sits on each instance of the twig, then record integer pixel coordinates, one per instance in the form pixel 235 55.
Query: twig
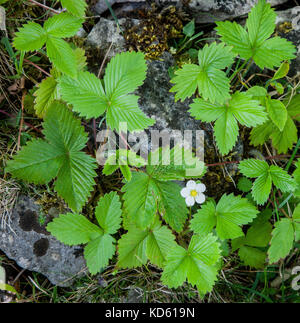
pixel 36 66
pixel 26 123
pixel 44 6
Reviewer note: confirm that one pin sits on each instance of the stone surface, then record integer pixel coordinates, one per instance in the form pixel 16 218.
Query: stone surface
pixel 2 19
pixel 33 248
pixel 291 33
pixel 106 32
pixel 204 11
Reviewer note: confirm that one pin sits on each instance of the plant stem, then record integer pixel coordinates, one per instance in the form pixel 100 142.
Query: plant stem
pixel 293 155
pixel 44 6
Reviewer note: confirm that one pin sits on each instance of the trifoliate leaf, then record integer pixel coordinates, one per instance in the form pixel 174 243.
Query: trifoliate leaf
pixel 230 213
pixel 282 240
pixel 63 25
pixel 98 252
pixel 266 175
pixel 58 156
pixel 30 36
pixel 76 229
pixel 241 107
pixel 75 7
pixel 212 83
pixel 252 257
pixel 108 213
pixel 73 229
pixel 253 41
pixel 197 264
pixel 124 73
pixel 62 56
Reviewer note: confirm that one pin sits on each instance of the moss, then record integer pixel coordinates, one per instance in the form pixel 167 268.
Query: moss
pixel 155 30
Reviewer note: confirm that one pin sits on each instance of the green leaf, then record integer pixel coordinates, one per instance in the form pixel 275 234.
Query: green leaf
pixel 30 37
pixel 261 188
pixel 181 164
pixel 38 162
pixel 62 25
pixel 282 240
pixel 73 229
pixel 212 83
pixel 253 167
pixel 85 93
pixel 296 176
pixel 244 184
pixel 236 36
pixel 140 199
pixel 124 73
pixel 132 248
pixel 281 179
pixel 75 7
pixel 62 56
pixel 266 175
pixel 259 234
pixel 226 132
pixel 108 213
pixel 98 252
pixel 261 133
pixel 230 213
pixel 172 205
pixel 253 257
pixel 197 264
pixel 277 112
pixel 284 140
pixel 58 156
pixel 205 219
pixel 159 243
pixel 189 29
pixel 260 23
pixel 282 71
pixel 45 95
pixel 241 107
pixel 253 41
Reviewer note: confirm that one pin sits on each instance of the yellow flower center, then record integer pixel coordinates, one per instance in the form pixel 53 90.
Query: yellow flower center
pixel 194 193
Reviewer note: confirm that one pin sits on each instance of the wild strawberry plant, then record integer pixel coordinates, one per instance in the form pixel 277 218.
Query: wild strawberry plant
pixel 164 222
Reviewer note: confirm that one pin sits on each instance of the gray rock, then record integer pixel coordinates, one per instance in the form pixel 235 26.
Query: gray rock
pixel 101 6
pixel 204 11
pixel 291 16
pixel 33 248
pixel 106 32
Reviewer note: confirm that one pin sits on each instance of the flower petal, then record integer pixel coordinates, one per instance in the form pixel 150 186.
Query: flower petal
pixel 191 185
pixel 185 192
pixel 200 188
pixel 200 198
pixel 190 201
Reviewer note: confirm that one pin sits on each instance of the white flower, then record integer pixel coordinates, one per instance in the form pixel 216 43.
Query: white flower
pixel 193 192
